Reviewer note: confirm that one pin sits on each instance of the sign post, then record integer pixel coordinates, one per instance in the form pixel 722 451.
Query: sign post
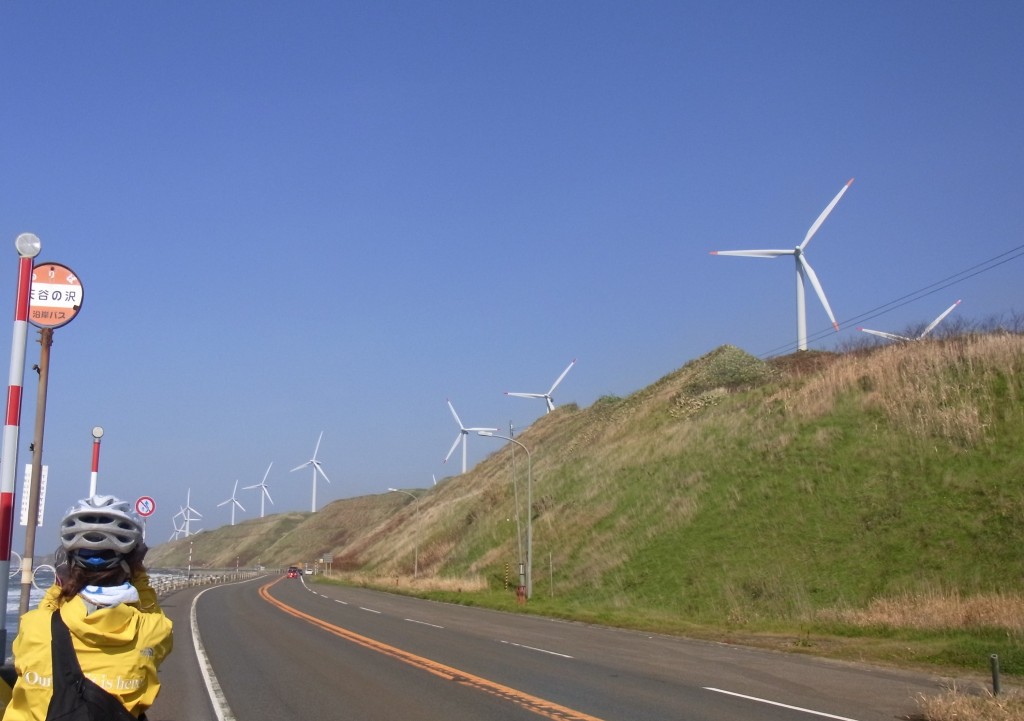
pixel 145 507
pixel 55 299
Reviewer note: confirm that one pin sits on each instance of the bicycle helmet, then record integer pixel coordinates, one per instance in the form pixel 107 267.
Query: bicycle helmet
pixel 100 524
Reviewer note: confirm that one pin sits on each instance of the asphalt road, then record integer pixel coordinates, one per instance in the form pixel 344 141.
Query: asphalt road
pixel 284 649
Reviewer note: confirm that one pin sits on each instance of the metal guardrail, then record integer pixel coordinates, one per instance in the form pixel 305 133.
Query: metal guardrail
pixel 164 582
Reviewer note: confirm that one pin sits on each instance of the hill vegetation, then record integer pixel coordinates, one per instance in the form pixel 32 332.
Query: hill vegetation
pixel 870 500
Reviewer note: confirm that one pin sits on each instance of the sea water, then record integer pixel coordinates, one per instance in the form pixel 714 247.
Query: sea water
pixel 13 605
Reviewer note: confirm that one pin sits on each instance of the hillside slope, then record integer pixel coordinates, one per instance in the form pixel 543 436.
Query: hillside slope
pixel 731 489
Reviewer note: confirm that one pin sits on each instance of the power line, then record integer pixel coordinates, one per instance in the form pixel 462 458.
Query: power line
pixel 959 277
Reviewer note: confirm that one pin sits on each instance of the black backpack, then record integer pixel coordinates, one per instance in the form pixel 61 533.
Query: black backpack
pixel 76 698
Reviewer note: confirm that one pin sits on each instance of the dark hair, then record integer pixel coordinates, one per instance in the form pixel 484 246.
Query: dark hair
pixel 72 578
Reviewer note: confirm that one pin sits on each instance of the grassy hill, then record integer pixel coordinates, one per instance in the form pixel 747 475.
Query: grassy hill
pixel 877 492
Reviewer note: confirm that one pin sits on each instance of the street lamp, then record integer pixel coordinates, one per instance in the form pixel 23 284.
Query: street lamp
pixel 529 508
pixel 415 542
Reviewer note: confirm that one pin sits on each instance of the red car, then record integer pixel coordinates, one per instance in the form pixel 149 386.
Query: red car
pixel 293 572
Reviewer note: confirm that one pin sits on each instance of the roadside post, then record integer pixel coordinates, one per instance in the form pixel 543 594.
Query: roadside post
pixel 97 433
pixel 28 247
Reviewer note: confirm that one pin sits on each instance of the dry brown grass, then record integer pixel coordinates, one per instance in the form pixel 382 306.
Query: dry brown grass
pixel 395 581
pixel 938 609
pixel 930 389
pixel 957 705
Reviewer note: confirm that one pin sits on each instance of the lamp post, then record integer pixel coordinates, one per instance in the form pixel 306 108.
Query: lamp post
pixel 529 508
pixel 415 541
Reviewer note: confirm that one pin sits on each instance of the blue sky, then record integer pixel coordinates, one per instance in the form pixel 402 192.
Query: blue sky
pixel 291 218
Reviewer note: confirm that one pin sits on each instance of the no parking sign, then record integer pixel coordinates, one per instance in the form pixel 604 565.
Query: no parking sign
pixel 145 506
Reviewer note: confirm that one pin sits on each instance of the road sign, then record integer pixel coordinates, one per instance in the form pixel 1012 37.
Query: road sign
pixel 145 506
pixel 56 295
pixel 25 492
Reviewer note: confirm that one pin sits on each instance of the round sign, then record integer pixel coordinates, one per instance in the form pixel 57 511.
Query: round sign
pixel 56 295
pixel 145 506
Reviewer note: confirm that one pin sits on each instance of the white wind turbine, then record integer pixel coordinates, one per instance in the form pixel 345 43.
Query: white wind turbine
pixel 187 510
pixel 926 331
pixel 234 503
pixel 546 396
pixel 264 491
pixel 317 468
pixel 803 268
pixel 463 432
pixel 178 528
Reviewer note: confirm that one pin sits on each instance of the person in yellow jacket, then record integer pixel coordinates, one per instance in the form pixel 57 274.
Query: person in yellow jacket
pixel 118 631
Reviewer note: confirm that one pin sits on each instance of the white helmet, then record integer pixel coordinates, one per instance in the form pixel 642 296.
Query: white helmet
pixel 101 523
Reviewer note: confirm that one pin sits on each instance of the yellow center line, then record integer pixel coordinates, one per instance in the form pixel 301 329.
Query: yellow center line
pixel 539 706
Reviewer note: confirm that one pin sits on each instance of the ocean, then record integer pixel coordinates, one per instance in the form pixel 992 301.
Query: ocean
pixel 13 604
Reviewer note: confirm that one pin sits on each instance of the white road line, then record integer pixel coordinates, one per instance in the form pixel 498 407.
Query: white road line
pixel 423 623
pixel 363 608
pixel 531 648
pixel 217 700
pixel 776 703
pixel 338 600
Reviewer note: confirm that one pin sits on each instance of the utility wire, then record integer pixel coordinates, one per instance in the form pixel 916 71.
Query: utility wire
pixel 983 267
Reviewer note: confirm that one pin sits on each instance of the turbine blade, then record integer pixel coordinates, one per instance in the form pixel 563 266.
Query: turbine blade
pixel 267 492
pixel 321 472
pixel 299 467
pixel 239 505
pixel 457 419
pixel 938 320
pixel 267 473
pixel 555 384
pixel 550 402
pixel 249 488
pixel 754 253
pixel 318 443
pixel 224 502
pixel 454 446
pixel 883 334
pixel 824 214
pixel 525 395
pixel 817 289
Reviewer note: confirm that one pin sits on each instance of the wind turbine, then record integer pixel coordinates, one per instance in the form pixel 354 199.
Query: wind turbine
pixel 463 432
pixel 803 268
pixel 546 396
pixel 178 529
pixel 187 510
pixel 264 492
pixel 926 331
pixel 317 468
pixel 234 503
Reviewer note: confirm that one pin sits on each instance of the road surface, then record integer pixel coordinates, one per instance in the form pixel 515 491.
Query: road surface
pixel 278 648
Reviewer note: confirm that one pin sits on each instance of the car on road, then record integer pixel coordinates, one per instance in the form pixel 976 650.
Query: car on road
pixel 293 572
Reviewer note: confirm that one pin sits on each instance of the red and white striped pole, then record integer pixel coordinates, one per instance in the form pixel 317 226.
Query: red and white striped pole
pixel 97 433
pixel 28 247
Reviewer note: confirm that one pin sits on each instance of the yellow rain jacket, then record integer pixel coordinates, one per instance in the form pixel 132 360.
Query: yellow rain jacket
pixel 119 648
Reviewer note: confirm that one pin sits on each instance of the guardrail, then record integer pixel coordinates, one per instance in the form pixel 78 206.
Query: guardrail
pixel 165 582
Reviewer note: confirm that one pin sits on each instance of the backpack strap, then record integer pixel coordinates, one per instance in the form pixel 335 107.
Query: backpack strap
pixel 65 660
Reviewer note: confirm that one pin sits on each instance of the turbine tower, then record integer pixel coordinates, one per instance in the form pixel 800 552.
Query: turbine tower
pixel 264 491
pixel 461 437
pixel 234 503
pixel 187 512
pixel 803 269
pixel 546 396
pixel 926 331
pixel 317 468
